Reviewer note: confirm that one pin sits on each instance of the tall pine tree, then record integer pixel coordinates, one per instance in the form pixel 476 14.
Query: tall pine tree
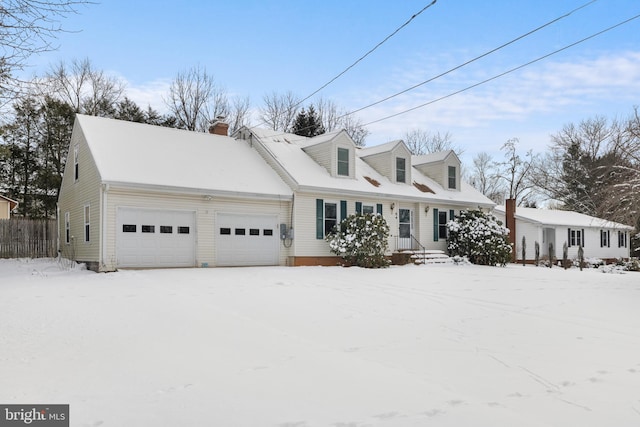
pixel 308 123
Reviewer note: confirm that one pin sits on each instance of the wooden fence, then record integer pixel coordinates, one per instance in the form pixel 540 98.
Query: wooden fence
pixel 28 238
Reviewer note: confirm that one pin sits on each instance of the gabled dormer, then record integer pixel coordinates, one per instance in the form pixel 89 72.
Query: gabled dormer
pixel 443 167
pixel 335 151
pixel 392 160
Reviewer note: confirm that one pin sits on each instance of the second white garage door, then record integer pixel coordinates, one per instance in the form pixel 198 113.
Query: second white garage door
pixel 244 239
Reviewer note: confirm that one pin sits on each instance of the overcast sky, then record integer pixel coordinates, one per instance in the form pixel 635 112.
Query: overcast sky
pixel 255 47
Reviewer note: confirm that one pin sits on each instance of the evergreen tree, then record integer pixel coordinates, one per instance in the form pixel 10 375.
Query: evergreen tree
pixel 21 137
pixel 129 110
pixel 308 123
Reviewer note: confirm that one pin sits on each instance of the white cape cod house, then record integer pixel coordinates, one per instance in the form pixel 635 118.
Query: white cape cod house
pixel 599 238
pixel 139 196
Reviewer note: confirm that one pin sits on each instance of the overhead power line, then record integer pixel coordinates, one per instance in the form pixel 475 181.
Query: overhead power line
pixel 506 72
pixel 471 60
pixel 415 15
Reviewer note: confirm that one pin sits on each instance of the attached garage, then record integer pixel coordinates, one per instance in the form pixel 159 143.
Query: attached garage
pixel 155 238
pixel 246 239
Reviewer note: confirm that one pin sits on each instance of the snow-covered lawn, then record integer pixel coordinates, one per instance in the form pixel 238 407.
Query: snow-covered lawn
pixel 313 346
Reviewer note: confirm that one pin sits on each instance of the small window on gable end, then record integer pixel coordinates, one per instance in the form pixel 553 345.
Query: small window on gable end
pixel 87 223
pixel 67 228
pixel 452 177
pixel 401 171
pixel 343 161
pixel 76 150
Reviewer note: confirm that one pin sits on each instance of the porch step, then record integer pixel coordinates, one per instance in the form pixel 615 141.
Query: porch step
pixel 429 256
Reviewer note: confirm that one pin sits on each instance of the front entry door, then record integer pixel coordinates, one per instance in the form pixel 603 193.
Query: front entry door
pixel 405 228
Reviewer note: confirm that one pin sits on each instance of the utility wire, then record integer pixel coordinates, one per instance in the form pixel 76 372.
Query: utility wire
pixel 469 61
pixel 506 72
pixel 369 52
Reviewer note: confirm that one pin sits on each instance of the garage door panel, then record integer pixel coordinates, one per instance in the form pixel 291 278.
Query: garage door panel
pixel 242 241
pixel 146 246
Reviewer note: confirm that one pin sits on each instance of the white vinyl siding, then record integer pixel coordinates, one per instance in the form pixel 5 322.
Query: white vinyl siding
pixel 74 196
pixel 386 164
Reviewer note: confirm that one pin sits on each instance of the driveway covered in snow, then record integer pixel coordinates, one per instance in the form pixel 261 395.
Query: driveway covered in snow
pixel 313 346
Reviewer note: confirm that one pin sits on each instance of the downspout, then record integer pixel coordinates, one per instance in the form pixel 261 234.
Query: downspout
pixel 103 229
pixel 58 229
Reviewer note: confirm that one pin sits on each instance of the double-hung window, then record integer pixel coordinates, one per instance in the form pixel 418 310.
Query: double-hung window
pixel 343 161
pixel 575 237
pixel 330 217
pixel 401 169
pixel 452 177
pixel 622 239
pixel 604 239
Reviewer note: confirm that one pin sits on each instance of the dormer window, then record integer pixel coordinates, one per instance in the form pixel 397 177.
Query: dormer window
pixel 452 177
pixel 401 169
pixel 343 161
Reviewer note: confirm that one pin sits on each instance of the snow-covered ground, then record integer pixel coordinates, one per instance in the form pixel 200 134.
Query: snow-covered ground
pixel 316 346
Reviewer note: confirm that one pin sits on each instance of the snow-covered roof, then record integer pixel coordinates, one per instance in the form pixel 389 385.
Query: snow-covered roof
pixel 310 176
pixel 431 157
pixel 562 218
pixel 145 155
pixel 320 139
pixel 378 149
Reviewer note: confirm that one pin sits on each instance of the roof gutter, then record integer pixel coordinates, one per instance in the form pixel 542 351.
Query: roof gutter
pixel 392 197
pixel 196 191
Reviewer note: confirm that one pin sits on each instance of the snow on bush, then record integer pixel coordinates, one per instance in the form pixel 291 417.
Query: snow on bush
pixel 361 240
pixel 480 237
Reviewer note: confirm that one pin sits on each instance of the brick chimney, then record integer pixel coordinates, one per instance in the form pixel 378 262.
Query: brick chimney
pixel 219 127
pixel 510 219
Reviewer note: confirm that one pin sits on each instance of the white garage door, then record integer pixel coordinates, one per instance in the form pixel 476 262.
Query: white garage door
pixel 155 238
pixel 247 239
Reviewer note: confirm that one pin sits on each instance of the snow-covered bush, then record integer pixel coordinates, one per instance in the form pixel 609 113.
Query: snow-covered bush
pixel 361 240
pixel 480 237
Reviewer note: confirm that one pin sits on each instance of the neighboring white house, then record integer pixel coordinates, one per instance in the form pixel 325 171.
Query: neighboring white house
pixel 599 238
pixel 7 205
pixel 136 195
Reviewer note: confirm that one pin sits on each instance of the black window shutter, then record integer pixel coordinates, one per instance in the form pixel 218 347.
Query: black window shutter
pixel 436 225
pixel 319 219
pixel 359 207
pixel 379 208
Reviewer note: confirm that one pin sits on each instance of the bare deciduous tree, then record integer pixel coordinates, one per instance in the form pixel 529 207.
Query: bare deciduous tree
pixel 86 89
pixel 195 99
pixel 484 177
pixel 593 168
pixel 279 110
pixel 421 141
pixel 239 114
pixel 333 119
pixel 28 27
pixel 516 173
